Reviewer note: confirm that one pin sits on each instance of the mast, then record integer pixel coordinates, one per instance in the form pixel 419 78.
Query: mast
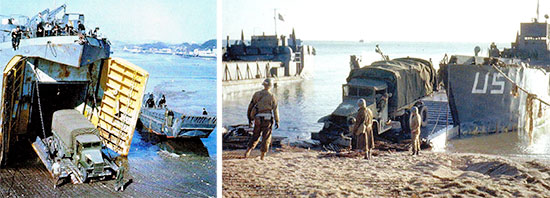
pixel 537 19
pixel 242 37
pixel 275 20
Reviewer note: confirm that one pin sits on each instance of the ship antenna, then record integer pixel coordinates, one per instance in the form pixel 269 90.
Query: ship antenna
pixel 379 51
pixel 275 19
pixel 537 19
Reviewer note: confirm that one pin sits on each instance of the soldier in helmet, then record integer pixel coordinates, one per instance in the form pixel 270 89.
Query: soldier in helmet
pixel 264 113
pixel 415 123
pixel 162 101
pixel 150 103
pixel 56 169
pixel 120 178
pixel 363 128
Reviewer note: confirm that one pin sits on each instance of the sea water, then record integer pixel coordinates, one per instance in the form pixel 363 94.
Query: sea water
pixel 182 166
pixel 302 104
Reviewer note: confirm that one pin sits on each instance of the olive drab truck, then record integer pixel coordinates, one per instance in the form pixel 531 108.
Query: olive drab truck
pixel 390 87
pixel 76 142
pixel 72 111
pixel 106 91
pixel 68 71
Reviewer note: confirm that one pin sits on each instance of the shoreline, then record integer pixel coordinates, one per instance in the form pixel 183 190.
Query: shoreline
pixel 302 172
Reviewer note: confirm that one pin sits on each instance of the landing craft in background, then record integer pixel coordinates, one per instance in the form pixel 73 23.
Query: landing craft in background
pixel 167 123
pixel 246 66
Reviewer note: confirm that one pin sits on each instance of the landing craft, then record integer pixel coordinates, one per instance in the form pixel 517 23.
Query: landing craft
pixel 66 71
pixel 507 91
pixel 167 123
pixel 268 56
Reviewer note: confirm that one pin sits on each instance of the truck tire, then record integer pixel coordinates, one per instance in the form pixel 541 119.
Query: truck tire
pixel 423 110
pixel 84 175
pixel 375 129
pixel 405 128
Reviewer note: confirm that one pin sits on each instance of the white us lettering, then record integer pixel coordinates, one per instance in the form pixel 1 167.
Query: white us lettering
pixel 480 91
pixel 497 84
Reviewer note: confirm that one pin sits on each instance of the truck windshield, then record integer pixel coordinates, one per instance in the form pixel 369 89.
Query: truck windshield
pixel 92 145
pixel 350 91
pixel 96 144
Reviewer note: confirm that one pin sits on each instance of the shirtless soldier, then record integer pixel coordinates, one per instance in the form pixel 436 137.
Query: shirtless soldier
pixel 263 112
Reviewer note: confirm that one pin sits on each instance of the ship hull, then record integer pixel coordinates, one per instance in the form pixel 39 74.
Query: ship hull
pixel 247 72
pixel 482 100
pixel 66 50
pixel 155 120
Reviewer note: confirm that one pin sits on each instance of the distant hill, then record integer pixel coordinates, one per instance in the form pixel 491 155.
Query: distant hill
pixel 155 45
pixel 182 47
pixel 210 44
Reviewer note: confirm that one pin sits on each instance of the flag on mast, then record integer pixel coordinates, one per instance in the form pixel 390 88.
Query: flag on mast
pixel 281 17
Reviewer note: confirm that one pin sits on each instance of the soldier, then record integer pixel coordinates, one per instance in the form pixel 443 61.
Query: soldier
pixel 162 101
pixel 415 123
pixel 16 37
pixel 169 117
pixel 363 128
pixel 150 103
pixel 120 178
pixel 56 169
pixel 81 28
pixel 263 111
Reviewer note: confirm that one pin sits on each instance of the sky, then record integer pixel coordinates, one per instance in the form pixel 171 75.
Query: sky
pixel 171 21
pixel 388 20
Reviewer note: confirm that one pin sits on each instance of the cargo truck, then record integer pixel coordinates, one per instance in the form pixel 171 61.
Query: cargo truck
pixel 76 142
pixel 390 87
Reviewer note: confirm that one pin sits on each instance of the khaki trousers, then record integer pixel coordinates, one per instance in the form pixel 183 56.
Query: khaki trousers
pixel 262 128
pixel 415 135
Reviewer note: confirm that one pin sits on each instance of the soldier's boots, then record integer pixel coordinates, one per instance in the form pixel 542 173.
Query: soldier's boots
pixel 247 153
pixel 368 155
pixel 262 156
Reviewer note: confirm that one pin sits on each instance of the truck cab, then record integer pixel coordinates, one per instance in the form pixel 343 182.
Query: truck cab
pixel 375 93
pixel 90 158
pixel 76 139
pixel 390 88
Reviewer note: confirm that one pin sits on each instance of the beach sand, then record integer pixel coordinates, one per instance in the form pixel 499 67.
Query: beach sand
pixel 311 173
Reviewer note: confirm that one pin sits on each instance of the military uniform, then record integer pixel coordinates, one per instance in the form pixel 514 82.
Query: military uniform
pixel 56 169
pixel 150 103
pixel 415 123
pixel 263 111
pixel 120 178
pixel 363 130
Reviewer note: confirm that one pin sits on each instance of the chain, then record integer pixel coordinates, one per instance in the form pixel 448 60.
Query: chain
pixel 39 104
pixel 40 109
pixel 126 117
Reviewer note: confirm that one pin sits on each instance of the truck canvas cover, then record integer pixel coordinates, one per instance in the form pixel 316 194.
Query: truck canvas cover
pixel 408 79
pixel 69 123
